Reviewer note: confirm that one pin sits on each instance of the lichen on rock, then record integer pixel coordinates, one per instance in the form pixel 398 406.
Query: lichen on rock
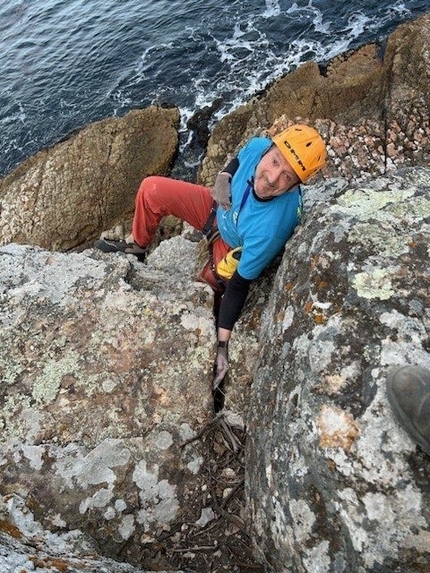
pixel 344 476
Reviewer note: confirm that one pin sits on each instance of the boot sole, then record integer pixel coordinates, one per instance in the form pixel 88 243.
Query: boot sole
pixel 401 417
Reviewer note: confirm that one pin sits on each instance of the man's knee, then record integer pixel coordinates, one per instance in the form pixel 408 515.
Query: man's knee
pixel 149 184
pixel 152 194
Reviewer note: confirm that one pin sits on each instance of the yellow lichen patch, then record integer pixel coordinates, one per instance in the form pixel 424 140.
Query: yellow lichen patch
pixel 374 284
pixel 336 428
pixel 367 202
pixel 47 385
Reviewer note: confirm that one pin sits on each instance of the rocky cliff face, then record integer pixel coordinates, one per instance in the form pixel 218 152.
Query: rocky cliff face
pixel 107 421
pixel 109 444
pixel 64 196
pixel 107 404
pixel 333 483
pixel 105 373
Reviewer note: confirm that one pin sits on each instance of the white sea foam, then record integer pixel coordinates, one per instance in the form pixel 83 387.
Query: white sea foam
pixel 272 9
pixel 319 24
pixel 112 57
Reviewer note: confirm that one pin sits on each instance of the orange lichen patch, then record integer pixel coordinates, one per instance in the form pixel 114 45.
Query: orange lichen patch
pixel 254 321
pixel 322 284
pixel 412 244
pixel 288 286
pixel 60 565
pixel 336 428
pixel 10 529
pixel 319 319
pixel 56 564
pixel 314 262
pixel 308 306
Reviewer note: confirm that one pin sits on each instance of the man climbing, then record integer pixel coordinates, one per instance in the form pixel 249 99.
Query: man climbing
pixel 254 206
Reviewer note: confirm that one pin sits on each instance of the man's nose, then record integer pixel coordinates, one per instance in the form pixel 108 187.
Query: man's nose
pixel 273 176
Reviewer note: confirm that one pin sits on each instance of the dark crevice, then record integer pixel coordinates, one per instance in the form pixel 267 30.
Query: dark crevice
pixel 218 392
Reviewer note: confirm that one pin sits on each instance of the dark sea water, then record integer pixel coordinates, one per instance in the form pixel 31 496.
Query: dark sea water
pixel 66 63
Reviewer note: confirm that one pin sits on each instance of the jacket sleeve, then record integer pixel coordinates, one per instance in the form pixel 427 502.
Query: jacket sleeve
pixel 232 167
pixel 233 301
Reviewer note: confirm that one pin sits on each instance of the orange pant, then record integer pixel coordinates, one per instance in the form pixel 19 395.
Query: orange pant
pixel 161 196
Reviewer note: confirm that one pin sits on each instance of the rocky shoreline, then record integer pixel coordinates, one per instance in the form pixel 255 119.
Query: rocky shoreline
pixel 111 459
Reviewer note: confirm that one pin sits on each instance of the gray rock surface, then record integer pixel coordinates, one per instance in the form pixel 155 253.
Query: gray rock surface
pixel 333 483
pixel 100 398
pixel 26 546
pixel 106 371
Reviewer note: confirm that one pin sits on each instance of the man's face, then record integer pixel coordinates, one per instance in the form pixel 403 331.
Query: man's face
pixel 273 175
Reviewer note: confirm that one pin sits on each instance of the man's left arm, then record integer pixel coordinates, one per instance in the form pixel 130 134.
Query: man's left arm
pixel 231 306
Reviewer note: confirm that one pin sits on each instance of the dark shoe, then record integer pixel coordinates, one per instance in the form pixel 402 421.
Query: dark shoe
pixel 111 246
pixel 408 389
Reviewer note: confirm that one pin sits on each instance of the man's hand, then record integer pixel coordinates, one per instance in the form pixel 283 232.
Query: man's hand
pixel 221 190
pixel 221 364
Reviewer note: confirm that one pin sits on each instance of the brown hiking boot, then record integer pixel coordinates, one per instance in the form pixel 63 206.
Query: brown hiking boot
pixel 408 389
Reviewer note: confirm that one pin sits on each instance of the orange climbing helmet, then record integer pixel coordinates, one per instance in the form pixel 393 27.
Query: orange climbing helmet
pixel 303 148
